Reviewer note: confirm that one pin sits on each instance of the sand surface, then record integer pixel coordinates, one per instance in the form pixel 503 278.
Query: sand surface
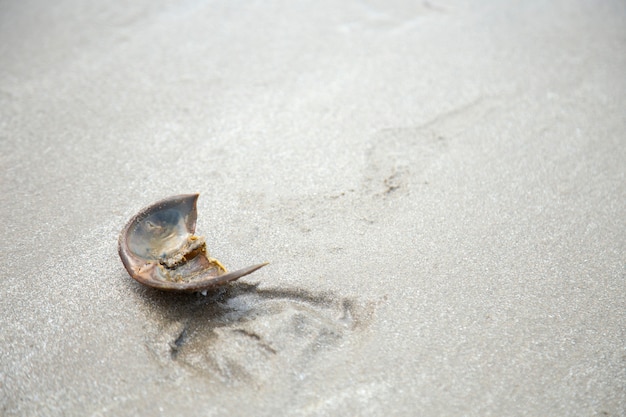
pixel 439 186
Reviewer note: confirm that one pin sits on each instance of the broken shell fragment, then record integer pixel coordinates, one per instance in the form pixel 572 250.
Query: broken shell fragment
pixel 159 249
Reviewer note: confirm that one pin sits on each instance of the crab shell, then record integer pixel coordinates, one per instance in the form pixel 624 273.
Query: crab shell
pixel 159 249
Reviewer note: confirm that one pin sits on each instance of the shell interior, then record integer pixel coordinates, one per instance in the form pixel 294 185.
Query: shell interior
pixel 160 235
pixel 164 236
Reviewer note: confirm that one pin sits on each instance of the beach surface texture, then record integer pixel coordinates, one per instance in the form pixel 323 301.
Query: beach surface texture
pixel 439 187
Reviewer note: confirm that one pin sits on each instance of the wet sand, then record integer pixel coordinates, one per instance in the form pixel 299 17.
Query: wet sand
pixel 439 188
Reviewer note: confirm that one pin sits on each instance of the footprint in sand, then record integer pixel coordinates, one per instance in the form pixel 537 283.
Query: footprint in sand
pixel 241 333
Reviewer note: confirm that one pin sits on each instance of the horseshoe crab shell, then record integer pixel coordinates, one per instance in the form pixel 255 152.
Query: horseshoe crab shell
pixel 159 249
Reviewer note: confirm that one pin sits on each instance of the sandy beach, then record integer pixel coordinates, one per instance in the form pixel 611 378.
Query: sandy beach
pixel 439 187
